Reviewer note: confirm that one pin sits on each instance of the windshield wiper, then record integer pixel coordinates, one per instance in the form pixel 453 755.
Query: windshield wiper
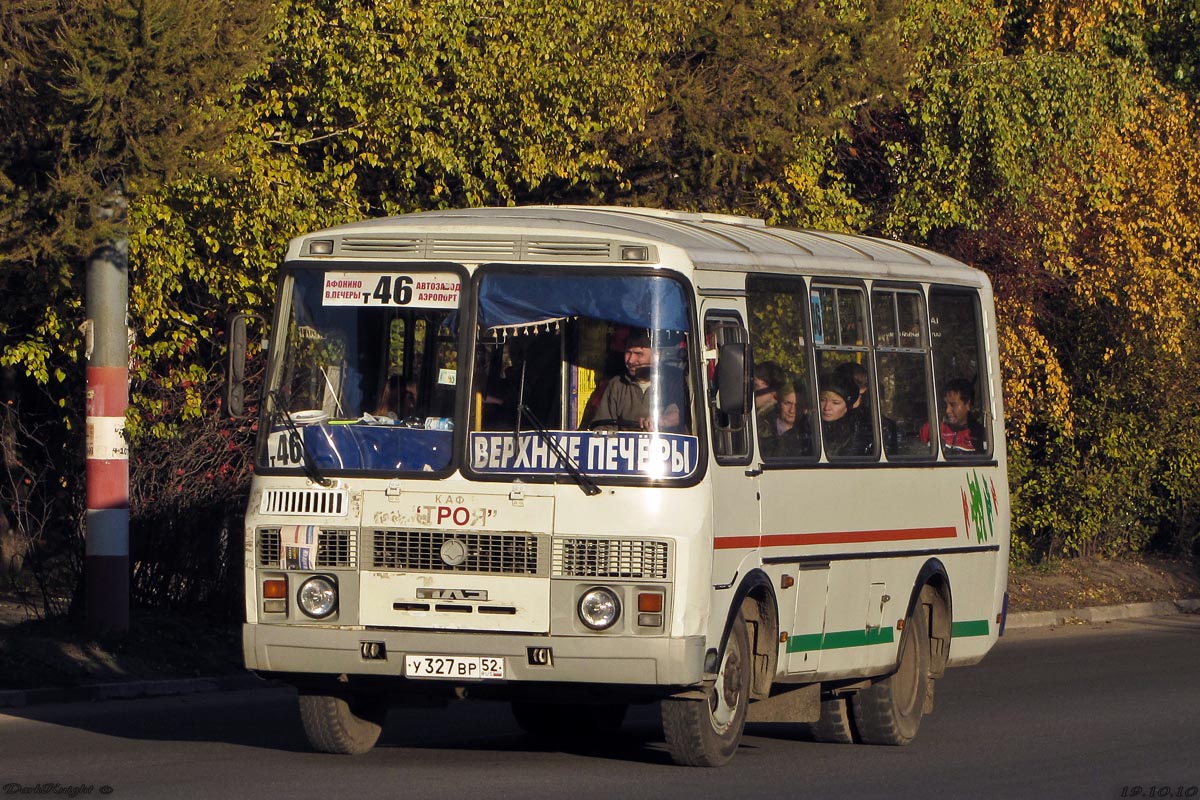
pixel 585 483
pixel 588 485
pixel 309 465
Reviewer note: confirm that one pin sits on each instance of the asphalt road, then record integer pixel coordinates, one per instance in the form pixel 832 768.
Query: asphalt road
pixel 1100 711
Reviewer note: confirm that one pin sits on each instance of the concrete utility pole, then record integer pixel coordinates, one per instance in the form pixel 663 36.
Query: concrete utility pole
pixel 106 572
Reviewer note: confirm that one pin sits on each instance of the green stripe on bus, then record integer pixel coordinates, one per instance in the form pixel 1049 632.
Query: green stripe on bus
pixel 839 639
pixel 973 627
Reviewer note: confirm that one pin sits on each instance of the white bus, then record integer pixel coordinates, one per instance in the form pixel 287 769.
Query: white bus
pixel 577 458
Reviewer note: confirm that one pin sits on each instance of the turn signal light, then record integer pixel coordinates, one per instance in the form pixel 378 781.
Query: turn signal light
pixel 650 602
pixel 275 588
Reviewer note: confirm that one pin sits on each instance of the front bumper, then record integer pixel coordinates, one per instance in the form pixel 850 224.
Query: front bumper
pixel 644 661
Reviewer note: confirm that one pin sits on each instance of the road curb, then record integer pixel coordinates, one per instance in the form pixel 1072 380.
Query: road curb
pixel 129 690
pixel 1047 619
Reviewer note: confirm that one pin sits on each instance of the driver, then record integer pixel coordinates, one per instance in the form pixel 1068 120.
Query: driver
pixel 649 395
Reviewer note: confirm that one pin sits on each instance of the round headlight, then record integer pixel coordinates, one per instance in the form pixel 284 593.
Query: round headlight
pixel 317 597
pixel 599 608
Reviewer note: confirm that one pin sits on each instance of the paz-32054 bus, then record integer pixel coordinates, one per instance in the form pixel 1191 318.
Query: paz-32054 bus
pixel 578 458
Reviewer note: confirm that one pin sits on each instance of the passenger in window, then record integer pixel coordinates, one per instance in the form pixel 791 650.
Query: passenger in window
pixel 961 431
pixel 784 432
pixel 650 395
pixel 851 372
pixel 768 379
pixel 844 433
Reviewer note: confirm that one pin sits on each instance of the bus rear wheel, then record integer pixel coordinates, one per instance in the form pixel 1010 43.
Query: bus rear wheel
pixel 834 725
pixel 706 733
pixel 348 724
pixel 890 710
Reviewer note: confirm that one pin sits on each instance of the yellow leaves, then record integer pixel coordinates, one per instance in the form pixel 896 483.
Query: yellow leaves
pixel 1074 25
pixel 1035 384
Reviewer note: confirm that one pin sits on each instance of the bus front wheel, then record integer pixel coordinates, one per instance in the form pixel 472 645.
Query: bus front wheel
pixel 348 724
pixel 890 710
pixel 706 733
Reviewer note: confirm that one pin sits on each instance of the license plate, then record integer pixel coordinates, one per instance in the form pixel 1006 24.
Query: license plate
pixel 454 667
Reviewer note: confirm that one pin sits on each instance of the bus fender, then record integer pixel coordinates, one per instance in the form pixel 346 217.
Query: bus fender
pixel 755 597
pixel 933 584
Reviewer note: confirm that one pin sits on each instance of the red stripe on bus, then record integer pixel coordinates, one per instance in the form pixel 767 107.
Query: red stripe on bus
pixel 834 537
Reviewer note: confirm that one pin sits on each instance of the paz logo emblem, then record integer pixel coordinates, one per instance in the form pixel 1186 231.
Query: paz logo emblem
pixel 453 552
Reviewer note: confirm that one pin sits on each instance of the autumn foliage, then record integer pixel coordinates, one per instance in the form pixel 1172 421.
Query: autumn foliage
pixel 1052 144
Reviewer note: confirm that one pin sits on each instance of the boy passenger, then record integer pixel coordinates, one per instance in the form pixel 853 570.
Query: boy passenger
pixel 961 432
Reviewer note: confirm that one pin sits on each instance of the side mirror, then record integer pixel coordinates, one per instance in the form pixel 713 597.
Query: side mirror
pixel 732 386
pixel 234 395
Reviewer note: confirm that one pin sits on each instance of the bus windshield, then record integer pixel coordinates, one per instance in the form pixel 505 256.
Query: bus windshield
pixel 367 376
pixel 582 372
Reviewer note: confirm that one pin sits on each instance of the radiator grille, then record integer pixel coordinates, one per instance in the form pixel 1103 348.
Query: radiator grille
pixel 421 551
pixel 304 502
pixel 609 558
pixel 334 548
pixel 268 547
pixel 337 548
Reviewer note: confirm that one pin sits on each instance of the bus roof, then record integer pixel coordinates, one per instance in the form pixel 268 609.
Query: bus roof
pixel 596 234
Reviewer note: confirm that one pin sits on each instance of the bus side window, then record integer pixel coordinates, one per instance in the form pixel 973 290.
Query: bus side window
pixel 902 367
pixel 731 444
pixel 956 330
pixel 839 320
pixel 784 409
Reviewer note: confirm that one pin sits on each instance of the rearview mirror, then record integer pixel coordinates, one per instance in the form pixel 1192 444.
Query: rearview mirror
pixel 732 386
pixel 234 394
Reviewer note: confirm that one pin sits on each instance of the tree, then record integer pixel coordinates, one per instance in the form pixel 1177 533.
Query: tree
pixel 750 88
pixel 1040 145
pixel 99 100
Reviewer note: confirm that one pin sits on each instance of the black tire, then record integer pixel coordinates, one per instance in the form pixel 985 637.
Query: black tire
pixel 890 711
pixel 834 725
pixel 349 725
pixel 706 733
pixel 552 721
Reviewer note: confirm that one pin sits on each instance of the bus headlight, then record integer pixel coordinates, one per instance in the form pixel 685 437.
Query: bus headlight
pixel 317 597
pixel 599 608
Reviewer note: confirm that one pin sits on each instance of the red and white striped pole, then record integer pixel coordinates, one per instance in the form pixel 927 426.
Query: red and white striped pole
pixel 106 567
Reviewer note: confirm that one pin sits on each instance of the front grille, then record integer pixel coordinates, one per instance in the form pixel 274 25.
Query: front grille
pixel 334 548
pixel 609 558
pixel 337 548
pixel 421 551
pixel 268 547
pixel 304 502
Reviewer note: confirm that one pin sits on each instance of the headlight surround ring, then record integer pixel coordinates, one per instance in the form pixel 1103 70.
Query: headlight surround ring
pixel 599 608
pixel 317 597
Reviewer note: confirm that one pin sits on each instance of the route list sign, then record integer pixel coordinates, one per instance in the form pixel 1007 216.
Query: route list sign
pixel 418 290
pixel 656 455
